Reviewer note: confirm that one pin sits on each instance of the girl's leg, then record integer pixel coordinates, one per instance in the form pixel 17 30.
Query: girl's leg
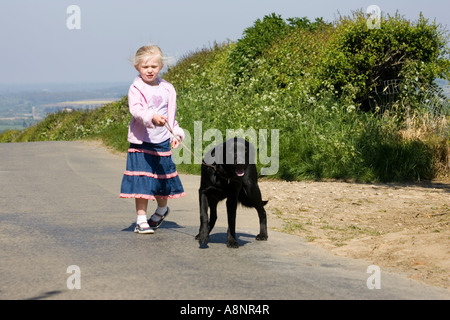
pixel 141 206
pixel 142 225
pixel 162 203
pixel 161 209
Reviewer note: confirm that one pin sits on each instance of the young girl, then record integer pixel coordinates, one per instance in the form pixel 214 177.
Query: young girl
pixel 150 172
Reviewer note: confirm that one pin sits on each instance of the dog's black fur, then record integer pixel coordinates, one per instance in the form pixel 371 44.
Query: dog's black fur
pixel 229 171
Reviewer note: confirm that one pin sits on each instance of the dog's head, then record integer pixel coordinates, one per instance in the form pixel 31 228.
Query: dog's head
pixel 232 157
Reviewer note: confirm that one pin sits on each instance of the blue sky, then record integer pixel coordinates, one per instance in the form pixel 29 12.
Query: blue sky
pixel 38 47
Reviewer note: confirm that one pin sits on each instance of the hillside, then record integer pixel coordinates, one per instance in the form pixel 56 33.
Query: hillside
pixel 319 100
pixel 24 105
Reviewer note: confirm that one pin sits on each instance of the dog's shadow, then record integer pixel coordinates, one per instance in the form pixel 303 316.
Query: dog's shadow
pixel 221 237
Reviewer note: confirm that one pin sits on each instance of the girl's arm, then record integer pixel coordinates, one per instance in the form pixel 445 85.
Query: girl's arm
pixel 138 107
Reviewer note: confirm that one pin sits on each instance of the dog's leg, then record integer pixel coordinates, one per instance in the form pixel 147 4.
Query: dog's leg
pixel 203 235
pixel 254 193
pixel 231 213
pixel 212 214
pixel 262 224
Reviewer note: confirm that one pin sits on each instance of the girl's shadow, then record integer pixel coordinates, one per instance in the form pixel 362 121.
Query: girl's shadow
pixel 165 225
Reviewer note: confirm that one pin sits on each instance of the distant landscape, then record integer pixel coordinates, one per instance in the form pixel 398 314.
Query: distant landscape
pixel 22 106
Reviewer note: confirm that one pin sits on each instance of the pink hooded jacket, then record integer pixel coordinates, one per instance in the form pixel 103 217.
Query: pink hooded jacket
pixel 143 115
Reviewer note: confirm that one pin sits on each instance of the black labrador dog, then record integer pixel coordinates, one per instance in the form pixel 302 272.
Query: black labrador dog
pixel 229 172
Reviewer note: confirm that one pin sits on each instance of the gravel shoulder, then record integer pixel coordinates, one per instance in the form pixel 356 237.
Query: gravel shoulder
pixel 402 227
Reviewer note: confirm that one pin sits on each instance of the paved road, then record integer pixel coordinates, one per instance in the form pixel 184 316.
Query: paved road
pixel 59 206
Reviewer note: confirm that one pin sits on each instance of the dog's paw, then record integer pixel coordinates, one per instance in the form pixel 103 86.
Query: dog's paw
pixel 232 243
pixel 261 237
pixel 202 239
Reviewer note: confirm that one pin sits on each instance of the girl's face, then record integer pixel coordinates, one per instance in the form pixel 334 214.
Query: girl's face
pixel 149 69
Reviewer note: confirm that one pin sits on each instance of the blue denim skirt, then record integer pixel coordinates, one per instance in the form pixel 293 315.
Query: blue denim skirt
pixel 151 173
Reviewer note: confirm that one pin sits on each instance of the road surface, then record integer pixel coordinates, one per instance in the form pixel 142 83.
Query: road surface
pixel 66 234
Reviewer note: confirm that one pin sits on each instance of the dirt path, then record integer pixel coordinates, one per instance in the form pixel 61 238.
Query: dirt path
pixel 395 226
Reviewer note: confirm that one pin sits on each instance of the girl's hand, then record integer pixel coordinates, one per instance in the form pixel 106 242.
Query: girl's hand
pixel 159 120
pixel 175 142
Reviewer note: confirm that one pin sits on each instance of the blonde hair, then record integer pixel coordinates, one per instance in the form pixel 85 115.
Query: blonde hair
pixel 145 52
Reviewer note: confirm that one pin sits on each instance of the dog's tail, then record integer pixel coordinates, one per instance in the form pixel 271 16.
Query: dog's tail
pixel 247 202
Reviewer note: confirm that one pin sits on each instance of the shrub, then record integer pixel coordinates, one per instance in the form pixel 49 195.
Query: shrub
pixel 359 59
pixel 391 158
pixel 257 39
